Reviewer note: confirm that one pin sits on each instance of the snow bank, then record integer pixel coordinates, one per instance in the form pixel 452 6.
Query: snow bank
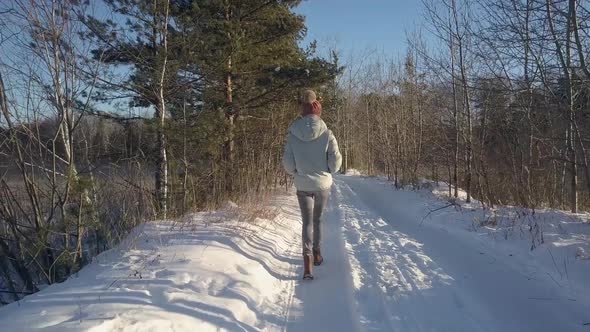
pixel 553 237
pixel 561 232
pixel 205 273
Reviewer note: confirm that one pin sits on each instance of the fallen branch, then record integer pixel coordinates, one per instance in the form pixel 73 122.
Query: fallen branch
pixel 453 203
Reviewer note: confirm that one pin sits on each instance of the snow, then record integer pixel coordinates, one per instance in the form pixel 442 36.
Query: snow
pixel 554 238
pixel 387 268
pixel 441 274
pixel 352 172
pixel 208 271
pixel 442 190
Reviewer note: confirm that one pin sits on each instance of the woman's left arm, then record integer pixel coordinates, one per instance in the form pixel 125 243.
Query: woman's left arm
pixel 289 158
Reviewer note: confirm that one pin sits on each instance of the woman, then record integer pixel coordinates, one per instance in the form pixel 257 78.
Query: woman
pixel 311 156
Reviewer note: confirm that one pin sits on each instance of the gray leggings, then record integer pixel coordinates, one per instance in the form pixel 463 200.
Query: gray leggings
pixel 312 205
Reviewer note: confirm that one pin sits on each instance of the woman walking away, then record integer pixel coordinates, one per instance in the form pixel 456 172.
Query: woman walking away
pixel 311 156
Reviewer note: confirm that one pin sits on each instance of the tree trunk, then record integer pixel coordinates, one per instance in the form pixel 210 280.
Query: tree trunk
pixel 466 102
pixel 162 160
pixel 565 59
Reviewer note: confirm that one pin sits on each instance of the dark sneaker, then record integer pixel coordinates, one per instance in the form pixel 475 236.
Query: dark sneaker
pixel 317 257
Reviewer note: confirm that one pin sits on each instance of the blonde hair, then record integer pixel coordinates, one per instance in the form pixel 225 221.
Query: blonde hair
pixel 308 97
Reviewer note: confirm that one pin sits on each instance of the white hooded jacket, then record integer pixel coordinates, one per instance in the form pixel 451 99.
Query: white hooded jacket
pixel 311 154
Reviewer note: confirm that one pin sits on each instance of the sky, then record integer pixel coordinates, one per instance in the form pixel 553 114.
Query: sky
pixel 358 25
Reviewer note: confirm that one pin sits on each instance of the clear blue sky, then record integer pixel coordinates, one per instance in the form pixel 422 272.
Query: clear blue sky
pixel 360 24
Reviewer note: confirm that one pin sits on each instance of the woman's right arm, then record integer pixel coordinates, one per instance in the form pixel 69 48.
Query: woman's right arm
pixel 334 156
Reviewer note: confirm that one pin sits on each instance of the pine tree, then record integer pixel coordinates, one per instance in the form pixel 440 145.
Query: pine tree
pixel 251 59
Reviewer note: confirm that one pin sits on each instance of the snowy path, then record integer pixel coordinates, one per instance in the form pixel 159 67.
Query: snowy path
pixel 384 270
pixel 327 303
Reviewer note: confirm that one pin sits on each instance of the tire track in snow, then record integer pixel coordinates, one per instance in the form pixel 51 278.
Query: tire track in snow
pixel 390 268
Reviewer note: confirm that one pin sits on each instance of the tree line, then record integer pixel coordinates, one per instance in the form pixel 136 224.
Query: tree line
pixel 492 98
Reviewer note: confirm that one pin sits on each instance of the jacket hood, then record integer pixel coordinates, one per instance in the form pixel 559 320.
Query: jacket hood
pixel 308 128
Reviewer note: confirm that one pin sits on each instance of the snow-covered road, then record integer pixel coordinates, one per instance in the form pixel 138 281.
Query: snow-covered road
pixel 385 269
pixel 412 277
